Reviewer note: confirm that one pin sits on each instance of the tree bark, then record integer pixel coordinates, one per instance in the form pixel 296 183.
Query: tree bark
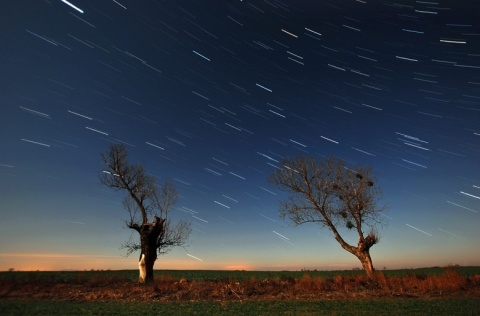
pixel 149 233
pixel 148 255
pixel 149 262
pixel 366 260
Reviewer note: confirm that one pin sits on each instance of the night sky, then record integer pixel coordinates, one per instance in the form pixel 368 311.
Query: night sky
pixel 213 95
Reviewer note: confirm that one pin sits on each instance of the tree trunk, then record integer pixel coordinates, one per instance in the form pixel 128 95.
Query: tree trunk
pixel 149 234
pixel 149 262
pixel 145 267
pixel 147 257
pixel 366 260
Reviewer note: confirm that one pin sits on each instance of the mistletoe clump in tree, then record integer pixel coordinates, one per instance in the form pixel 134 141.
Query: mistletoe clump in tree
pixel 326 192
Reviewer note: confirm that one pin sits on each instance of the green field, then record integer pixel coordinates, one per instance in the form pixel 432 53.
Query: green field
pixel 199 275
pixel 401 305
pixel 335 307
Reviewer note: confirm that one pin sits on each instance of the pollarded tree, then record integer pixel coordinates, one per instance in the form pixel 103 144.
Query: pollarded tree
pixel 148 206
pixel 326 192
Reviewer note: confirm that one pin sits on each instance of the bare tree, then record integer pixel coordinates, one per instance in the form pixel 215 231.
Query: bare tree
pixel 144 200
pixel 328 193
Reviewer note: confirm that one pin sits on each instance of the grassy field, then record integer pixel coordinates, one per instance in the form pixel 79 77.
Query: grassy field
pixel 427 291
pixel 199 275
pixel 335 307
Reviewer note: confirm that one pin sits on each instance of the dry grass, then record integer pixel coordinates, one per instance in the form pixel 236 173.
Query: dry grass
pixel 409 284
pixel 448 283
pixel 166 288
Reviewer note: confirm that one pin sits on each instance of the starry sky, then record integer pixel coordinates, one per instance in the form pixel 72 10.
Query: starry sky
pixel 213 95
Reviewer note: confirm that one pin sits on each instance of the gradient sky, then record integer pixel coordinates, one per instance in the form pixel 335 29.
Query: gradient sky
pixel 213 94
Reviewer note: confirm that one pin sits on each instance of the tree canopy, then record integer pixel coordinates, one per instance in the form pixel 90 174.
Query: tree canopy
pixel 326 192
pixel 148 206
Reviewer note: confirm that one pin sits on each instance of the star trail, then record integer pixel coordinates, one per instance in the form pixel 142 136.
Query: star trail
pixel 213 95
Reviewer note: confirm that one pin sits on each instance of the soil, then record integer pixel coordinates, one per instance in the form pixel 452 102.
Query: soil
pixel 212 290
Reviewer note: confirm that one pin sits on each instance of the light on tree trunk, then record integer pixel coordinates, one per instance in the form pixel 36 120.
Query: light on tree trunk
pixel 142 268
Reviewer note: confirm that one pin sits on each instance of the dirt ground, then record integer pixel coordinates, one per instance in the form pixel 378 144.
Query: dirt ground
pixel 229 290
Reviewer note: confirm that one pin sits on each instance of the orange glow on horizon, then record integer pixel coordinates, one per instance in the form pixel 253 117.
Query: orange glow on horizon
pixel 82 262
pixel 237 267
pixel 59 261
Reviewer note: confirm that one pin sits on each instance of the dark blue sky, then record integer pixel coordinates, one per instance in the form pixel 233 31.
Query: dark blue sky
pixel 214 94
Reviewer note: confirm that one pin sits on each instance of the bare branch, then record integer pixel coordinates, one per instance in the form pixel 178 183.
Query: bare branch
pixel 144 199
pixel 131 246
pixel 121 175
pixel 165 199
pixel 329 193
pixel 174 236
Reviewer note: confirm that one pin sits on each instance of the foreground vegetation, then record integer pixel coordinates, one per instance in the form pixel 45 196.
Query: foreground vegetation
pixel 440 291
pixel 335 307
pixel 237 275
